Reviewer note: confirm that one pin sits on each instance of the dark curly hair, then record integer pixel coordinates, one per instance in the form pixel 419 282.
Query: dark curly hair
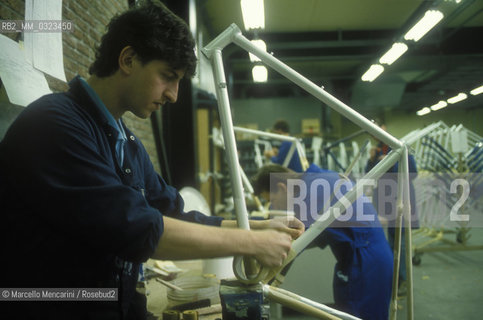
pixel 262 179
pixel 154 32
pixel 281 125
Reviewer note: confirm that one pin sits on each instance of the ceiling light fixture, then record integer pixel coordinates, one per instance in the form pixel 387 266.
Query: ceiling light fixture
pixel 476 91
pixel 440 105
pixel 253 14
pixel 260 74
pixel 394 53
pixel 460 97
pixel 427 22
pixel 374 71
pixel 260 44
pixel 423 111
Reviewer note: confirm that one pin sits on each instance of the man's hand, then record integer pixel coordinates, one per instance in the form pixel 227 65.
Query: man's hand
pixel 270 153
pixel 187 240
pixel 270 240
pixel 287 224
pixel 271 247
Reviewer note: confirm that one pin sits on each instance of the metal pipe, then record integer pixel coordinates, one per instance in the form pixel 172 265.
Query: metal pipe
pixel 230 143
pixel 221 41
pixel 298 305
pixel 317 92
pixel 335 312
pixel 397 248
pixel 413 136
pixel 404 174
pixel 356 158
pixel 349 137
pixel 246 181
pixel 302 156
pixel 326 218
pixel 266 134
pixel 296 145
pixel 289 155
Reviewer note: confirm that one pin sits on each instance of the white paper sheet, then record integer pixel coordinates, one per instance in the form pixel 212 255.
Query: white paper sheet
pixel 28 39
pixel 22 82
pixel 459 141
pixel 45 49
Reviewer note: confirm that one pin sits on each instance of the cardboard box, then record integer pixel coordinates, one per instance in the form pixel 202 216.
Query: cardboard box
pixel 311 126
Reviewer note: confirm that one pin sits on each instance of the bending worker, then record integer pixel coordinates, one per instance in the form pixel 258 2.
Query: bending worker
pixel 363 272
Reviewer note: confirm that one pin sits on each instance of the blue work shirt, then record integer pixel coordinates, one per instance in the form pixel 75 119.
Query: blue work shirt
pixel 363 273
pixel 121 134
pixel 294 163
pixel 72 215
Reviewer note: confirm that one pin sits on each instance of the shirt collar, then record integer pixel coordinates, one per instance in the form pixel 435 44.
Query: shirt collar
pixel 102 107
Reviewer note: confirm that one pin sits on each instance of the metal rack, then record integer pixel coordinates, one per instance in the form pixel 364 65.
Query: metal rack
pixel 440 166
pixel 296 144
pixel 339 160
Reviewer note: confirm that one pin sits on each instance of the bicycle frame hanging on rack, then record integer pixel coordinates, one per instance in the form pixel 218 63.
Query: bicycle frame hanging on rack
pixel 296 145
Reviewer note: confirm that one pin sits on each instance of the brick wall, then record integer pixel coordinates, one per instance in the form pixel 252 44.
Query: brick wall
pixel 90 19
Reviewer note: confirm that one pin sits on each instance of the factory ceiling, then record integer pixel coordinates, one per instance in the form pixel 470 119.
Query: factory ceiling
pixel 333 42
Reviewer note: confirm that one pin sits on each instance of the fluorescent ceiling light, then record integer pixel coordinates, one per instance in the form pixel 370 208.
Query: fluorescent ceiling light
pixel 458 98
pixel 253 14
pixel 440 105
pixel 430 19
pixel 394 53
pixel 374 71
pixel 260 44
pixel 259 73
pixel 423 111
pixel 477 90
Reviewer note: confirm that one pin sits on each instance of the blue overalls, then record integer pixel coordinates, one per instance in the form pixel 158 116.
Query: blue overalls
pixel 363 273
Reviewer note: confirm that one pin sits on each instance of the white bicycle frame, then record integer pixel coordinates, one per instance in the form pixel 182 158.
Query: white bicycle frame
pixel 296 145
pixel 400 153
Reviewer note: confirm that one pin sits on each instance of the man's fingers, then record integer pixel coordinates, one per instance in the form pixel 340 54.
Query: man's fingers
pixel 294 233
pixel 294 228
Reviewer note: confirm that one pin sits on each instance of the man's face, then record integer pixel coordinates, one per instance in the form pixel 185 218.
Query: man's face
pixel 150 86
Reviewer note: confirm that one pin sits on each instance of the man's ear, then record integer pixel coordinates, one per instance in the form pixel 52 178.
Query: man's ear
pixel 126 60
pixel 282 187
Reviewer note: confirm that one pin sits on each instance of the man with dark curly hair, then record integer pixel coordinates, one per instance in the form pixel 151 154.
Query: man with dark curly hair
pixel 82 206
pixel 362 278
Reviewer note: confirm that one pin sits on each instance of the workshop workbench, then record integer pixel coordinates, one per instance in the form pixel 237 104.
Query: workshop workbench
pixel 157 293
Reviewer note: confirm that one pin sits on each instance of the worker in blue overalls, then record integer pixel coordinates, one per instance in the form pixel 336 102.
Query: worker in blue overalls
pixel 363 272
